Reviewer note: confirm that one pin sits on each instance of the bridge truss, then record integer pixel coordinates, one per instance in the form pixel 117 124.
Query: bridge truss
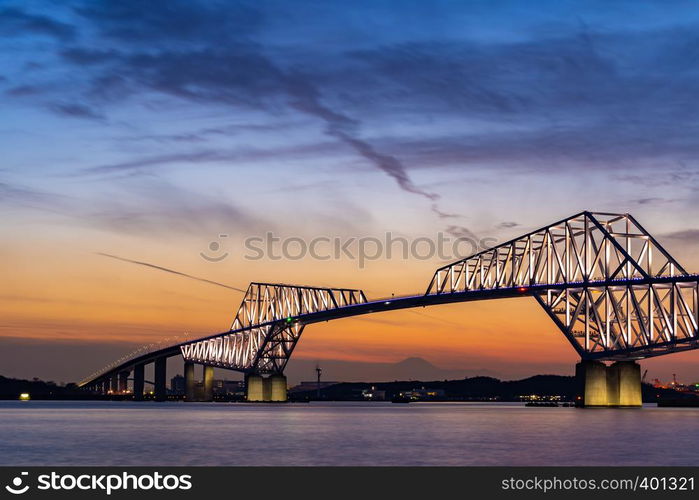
pixel 609 286
pixel 266 327
pixel 606 283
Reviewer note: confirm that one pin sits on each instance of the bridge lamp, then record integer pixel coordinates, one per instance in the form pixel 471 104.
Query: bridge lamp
pixel 24 396
pixel 522 289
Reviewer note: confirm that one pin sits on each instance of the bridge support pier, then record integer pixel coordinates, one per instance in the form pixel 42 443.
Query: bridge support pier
pixel 123 382
pixel 114 383
pixel 138 381
pixel 617 385
pixel 592 383
pixel 208 383
pixel 258 388
pixel 189 381
pixel 254 388
pixel 277 387
pixel 160 376
pixel 628 374
pixel 266 389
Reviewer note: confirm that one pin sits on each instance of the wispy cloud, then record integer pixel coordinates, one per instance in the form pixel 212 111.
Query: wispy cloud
pixel 26 196
pixel 75 110
pixel 23 90
pixel 150 207
pixel 15 21
pixel 689 236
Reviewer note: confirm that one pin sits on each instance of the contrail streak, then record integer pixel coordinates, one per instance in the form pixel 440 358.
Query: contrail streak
pixel 172 271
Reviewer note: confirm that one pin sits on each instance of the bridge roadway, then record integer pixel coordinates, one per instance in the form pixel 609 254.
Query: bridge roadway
pixel 114 379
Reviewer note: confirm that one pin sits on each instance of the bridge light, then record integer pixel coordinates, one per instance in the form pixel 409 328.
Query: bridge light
pixel 522 289
pixel 289 319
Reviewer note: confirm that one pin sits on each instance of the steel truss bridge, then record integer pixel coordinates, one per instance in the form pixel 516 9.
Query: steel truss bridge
pixel 605 282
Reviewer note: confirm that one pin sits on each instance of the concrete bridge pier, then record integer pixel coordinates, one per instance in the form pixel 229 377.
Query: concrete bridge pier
pixel 114 383
pixel 189 382
pixel 254 390
pixel 138 381
pixel 266 389
pixel 258 388
pixel 160 376
pixel 123 382
pixel 616 385
pixel 277 387
pixel 208 383
pixel 628 376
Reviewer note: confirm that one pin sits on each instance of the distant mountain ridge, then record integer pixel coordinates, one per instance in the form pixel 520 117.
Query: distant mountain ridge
pixel 413 368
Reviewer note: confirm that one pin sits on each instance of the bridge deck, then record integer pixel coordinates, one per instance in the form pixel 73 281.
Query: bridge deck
pixel 423 300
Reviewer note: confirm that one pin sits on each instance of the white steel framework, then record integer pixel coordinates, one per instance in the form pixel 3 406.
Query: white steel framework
pixel 603 279
pixel 266 327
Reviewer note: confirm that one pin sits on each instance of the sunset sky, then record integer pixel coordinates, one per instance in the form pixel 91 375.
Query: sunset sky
pixel 145 133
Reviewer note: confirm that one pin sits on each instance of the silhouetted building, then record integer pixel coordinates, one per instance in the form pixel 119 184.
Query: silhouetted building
pixel 224 387
pixel 423 394
pixel 311 386
pixel 374 394
pixel 177 384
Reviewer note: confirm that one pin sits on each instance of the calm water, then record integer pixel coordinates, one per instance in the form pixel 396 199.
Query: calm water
pixel 124 433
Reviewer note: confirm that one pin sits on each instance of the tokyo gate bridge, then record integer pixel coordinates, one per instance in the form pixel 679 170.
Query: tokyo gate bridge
pixel 607 284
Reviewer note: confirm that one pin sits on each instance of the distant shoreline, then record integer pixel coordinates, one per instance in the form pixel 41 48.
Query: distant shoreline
pixel 538 388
